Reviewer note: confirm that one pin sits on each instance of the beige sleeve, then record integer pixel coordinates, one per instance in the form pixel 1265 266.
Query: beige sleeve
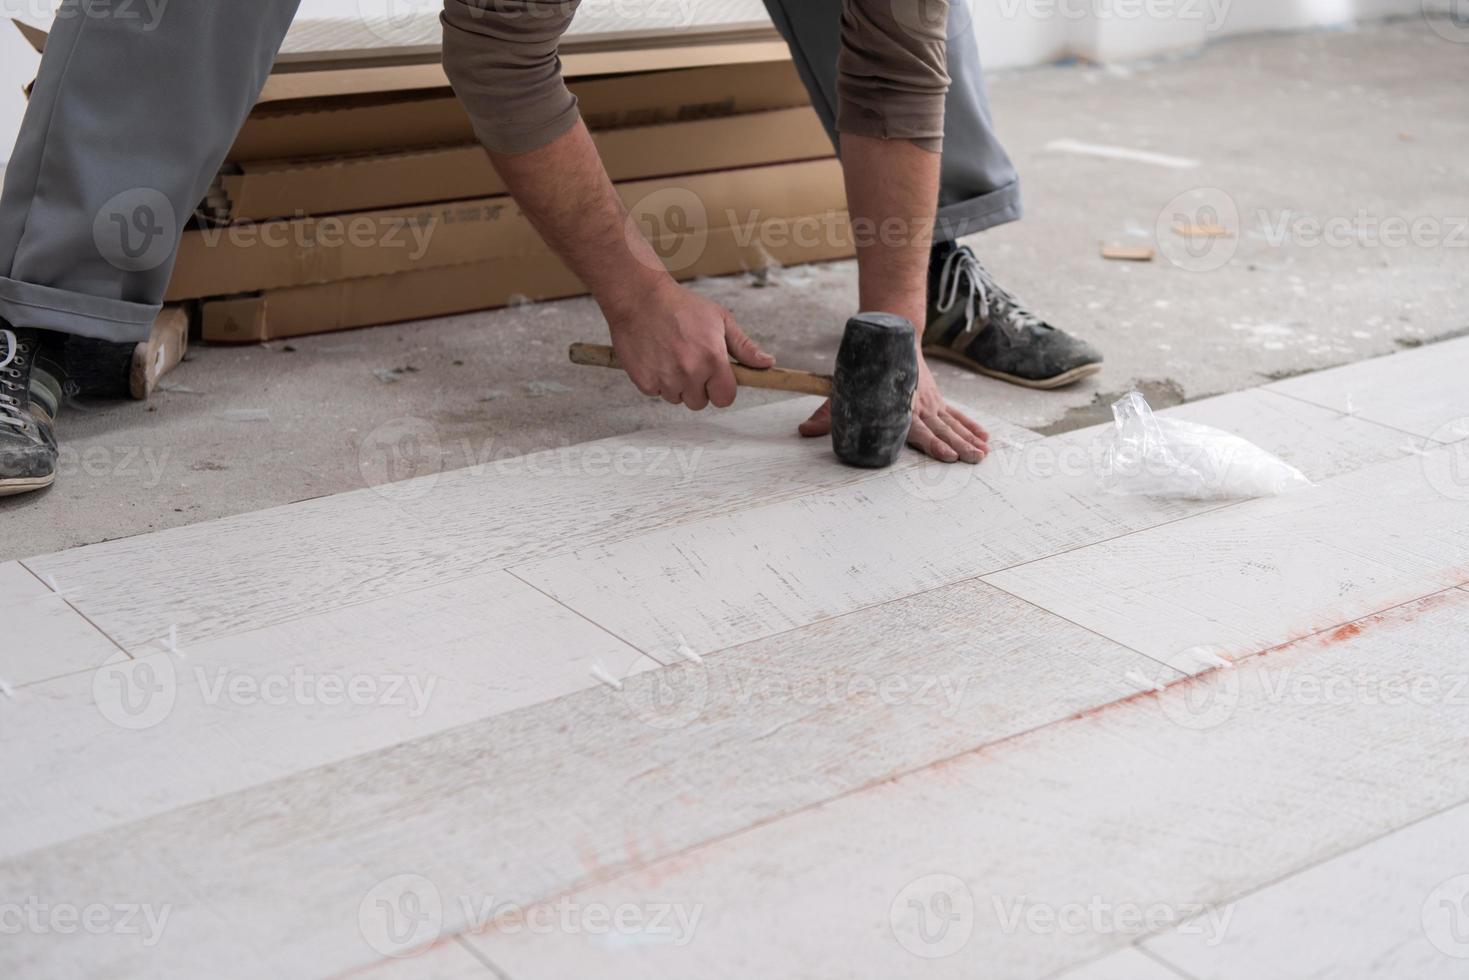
pixel 500 56
pixel 892 70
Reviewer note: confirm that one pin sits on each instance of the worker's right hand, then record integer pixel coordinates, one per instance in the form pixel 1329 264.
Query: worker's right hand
pixel 674 343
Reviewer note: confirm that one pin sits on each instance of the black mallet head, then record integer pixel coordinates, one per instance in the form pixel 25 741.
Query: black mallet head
pixel 872 390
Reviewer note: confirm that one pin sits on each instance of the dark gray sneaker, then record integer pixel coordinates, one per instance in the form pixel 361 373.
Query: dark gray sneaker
pixel 978 324
pixel 30 397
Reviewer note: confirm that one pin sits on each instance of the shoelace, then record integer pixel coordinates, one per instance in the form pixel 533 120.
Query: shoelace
pixel 9 407
pixel 983 295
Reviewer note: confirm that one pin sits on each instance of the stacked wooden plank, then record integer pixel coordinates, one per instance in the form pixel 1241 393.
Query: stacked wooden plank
pixel 355 194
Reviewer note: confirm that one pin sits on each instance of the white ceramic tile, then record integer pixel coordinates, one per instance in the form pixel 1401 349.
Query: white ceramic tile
pixel 1318 441
pixel 446 960
pixel 1048 851
pixel 528 804
pixel 242 572
pixel 1395 907
pixel 762 570
pixel 141 737
pixel 43 637
pixel 1265 571
pixel 1127 963
pixel 1421 391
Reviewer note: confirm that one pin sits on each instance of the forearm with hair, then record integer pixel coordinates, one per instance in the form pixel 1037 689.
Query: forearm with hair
pixel 892 194
pixel 565 192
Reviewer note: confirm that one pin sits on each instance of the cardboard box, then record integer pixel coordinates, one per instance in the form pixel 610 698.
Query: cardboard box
pixel 365 41
pixel 353 124
pixel 331 185
pixel 423 293
pixel 345 57
pixel 406 120
pixel 311 106
pixel 283 86
pixel 352 56
pixel 257 256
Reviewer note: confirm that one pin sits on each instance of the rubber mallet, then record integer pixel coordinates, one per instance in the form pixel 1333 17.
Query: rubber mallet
pixel 871 390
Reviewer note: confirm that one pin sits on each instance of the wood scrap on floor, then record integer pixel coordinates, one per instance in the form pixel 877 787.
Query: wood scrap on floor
pixel 160 353
pixel 1128 253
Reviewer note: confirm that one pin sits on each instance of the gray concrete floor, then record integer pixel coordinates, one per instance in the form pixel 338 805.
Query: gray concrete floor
pixel 1356 126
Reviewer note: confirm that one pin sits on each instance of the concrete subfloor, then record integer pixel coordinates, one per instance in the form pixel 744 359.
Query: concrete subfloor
pixel 1357 127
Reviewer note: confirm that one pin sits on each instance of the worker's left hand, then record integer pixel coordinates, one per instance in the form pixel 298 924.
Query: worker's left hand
pixel 938 429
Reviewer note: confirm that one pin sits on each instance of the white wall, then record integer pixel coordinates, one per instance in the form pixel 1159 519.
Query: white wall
pixel 17 67
pixel 1011 32
pixel 1025 32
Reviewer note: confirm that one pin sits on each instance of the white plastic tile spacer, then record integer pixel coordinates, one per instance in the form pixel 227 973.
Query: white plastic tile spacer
pixel 687 652
pixel 55 588
pixel 1210 659
pixel 1143 682
pixel 600 672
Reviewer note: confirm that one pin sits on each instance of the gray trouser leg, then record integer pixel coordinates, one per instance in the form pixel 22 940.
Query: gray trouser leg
pixel 131 116
pixel 979 188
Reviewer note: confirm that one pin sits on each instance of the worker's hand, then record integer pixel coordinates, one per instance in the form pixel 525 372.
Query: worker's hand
pixel 938 429
pixel 677 344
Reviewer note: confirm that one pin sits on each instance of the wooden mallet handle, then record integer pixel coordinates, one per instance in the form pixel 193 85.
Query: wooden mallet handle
pixel 775 379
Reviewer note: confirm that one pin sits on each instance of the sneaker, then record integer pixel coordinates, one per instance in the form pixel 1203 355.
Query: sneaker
pixel 976 323
pixel 30 397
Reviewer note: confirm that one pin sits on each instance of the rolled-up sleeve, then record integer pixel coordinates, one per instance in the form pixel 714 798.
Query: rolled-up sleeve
pixel 501 58
pixel 892 72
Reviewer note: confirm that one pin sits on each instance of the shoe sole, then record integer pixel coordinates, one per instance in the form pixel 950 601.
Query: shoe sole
pixel 1043 384
pixel 9 488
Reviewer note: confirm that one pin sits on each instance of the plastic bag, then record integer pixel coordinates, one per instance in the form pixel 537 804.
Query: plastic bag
pixel 1163 457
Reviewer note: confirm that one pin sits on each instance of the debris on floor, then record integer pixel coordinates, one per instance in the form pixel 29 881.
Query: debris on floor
pixel 164 349
pixel 1128 253
pixel 390 375
pixel 245 415
pixel 1203 229
pixel 536 389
